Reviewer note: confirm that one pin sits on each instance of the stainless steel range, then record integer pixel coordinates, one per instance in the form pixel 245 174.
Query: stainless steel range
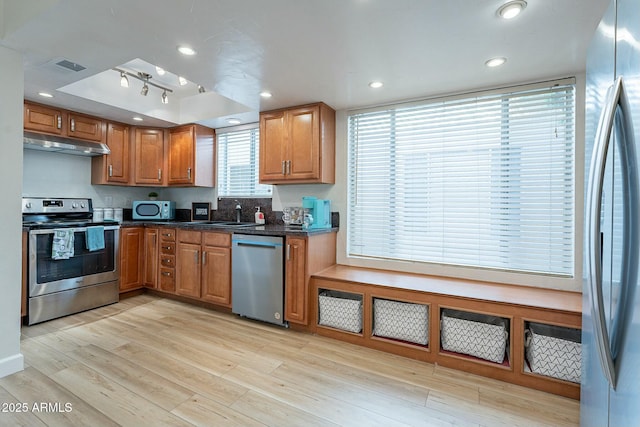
pixel 73 261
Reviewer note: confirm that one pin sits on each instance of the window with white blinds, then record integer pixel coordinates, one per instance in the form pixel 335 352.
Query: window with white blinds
pixel 484 181
pixel 238 161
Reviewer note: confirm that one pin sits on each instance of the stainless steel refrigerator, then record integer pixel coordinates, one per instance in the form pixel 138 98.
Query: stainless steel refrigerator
pixel 610 389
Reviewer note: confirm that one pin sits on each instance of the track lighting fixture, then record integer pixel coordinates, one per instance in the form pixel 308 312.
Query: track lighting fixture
pixel 144 78
pixel 124 81
pixel 145 87
pixel 201 89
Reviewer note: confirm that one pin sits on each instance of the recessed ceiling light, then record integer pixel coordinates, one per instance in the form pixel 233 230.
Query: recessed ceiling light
pixel 45 94
pixel 511 9
pixel 137 119
pixel 495 62
pixel 160 71
pixel 186 50
pixel 376 84
pixel 234 121
pixel 182 81
pixel 265 94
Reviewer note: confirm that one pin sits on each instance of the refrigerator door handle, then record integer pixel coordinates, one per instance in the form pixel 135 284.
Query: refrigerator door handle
pixel 616 97
pixel 594 201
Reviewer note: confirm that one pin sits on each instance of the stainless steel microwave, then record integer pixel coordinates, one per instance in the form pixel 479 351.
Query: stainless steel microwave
pixel 153 209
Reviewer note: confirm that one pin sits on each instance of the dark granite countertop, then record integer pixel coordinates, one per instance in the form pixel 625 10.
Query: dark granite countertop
pixel 264 230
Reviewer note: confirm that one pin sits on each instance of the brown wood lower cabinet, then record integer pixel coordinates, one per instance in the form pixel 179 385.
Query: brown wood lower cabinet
pixel 167 260
pixel 131 251
pixel 151 243
pixel 203 266
pixel 216 268
pixel 304 257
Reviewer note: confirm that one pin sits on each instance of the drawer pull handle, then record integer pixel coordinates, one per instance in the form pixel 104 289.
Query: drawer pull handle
pixel 73 125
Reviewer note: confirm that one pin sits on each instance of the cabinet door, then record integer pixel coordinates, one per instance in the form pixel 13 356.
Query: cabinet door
pixel 151 240
pixel 181 156
pixel 273 148
pixel 131 249
pixel 118 160
pixel 188 270
pixel 43 119
pixel 149 161
pixel 87 128
pixel 295 287
pixel 303 139
pixel 216 275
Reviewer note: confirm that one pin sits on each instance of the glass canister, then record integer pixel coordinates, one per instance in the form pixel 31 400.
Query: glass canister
pixel 98 214
pixel 108 214
pixel 117 214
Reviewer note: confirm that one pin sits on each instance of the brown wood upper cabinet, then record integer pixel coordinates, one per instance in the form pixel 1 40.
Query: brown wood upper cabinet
pixel 56 121
pixel 191 151
pixel 297 145
pixel 113 168
pixel 39 118
pixel 149 157
pixel 85 127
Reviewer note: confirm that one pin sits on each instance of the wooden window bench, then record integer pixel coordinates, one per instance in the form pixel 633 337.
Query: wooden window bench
pixel 516 304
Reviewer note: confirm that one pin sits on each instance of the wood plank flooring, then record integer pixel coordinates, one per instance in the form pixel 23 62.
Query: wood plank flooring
pixel 157 362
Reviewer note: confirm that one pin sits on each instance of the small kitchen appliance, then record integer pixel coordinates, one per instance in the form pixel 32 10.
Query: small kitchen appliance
pixel 319 212
pixel 153 209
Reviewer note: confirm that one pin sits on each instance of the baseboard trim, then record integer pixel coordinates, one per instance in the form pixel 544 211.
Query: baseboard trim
pixel 11 365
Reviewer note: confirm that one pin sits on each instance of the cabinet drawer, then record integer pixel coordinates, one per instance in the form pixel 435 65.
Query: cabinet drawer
pixel 217 239
pixel 168 261
pixel 189 236
pixel 167 279
pixel 168 248
pixel 168 234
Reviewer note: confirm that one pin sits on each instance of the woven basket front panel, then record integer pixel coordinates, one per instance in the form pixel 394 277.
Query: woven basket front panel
pixel 477 339
pixel 400 320
pixel 340 313
pixel 555 357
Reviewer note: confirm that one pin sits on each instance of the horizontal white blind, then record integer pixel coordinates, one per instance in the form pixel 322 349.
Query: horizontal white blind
pixel 485 181
pixel 238 156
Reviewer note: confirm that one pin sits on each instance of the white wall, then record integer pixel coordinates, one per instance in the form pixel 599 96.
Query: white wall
pixel 11 359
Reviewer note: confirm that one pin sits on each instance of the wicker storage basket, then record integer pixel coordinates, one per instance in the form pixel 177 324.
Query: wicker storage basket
pixel 401 320
pixel 477 335
pixel 554 351
pixel 340 310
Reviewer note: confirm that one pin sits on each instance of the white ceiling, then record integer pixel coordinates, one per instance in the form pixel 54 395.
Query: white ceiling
pixel 300 50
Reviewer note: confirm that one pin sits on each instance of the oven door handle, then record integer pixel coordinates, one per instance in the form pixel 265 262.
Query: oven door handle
pixel 75 229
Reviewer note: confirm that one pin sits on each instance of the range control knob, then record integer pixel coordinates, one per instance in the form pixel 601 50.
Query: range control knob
pixel 28 205
pixel 74 205
pixel 82 205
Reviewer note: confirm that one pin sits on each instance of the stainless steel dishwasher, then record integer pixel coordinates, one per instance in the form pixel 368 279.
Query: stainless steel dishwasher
pixel 257 277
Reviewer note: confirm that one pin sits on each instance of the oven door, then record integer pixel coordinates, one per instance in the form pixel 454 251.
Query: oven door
pixel 85 268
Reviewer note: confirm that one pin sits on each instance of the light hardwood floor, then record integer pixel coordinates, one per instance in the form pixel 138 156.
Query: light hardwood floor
pixel 148 361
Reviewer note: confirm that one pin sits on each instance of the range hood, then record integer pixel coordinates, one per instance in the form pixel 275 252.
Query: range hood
pixel 60 144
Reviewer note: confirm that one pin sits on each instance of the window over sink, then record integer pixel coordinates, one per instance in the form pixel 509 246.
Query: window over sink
pixel 478 180
pixel 238 162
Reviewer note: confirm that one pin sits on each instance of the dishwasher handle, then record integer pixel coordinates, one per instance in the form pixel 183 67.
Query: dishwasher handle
pixel 265 245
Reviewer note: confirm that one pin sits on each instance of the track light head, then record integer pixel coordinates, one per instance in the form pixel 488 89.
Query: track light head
pixel 124 81
pixel 165 97
pixel 145 89
pixel 201 89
